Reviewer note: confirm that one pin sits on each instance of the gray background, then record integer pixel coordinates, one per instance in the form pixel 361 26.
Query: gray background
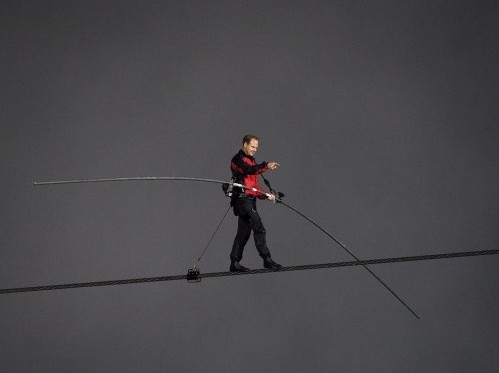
pixel 383 115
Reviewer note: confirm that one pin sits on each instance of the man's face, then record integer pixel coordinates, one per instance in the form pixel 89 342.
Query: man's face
pixel 250 148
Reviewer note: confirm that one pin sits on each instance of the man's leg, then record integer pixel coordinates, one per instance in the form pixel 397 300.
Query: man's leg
pixel 243 233
pixel 259 234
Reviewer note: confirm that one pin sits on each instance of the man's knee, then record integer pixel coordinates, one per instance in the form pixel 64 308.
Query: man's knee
pixel 258 226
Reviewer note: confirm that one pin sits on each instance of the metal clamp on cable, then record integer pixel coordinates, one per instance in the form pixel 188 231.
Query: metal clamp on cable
pixel 227 188
pixel 193 275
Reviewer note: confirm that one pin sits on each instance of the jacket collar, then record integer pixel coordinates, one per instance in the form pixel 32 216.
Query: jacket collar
pixel 243 154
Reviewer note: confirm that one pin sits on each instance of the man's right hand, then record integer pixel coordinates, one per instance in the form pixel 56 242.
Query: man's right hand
pixel 273 165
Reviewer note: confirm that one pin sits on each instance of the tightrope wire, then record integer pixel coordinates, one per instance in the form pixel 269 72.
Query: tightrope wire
pixel 253 272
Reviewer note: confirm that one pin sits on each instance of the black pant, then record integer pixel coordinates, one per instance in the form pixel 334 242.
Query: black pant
pixel 249 219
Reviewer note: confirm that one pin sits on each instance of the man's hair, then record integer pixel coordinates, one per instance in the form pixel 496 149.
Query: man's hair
pixel 247 138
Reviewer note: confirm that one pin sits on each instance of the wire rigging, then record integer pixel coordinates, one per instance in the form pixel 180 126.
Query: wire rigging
pixel 253 272
pixel 213 235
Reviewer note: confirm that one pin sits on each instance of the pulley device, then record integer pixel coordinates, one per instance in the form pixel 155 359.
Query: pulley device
pixel 193 275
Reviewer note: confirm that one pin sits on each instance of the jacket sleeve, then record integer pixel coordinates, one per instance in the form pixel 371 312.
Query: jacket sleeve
pixel 243 167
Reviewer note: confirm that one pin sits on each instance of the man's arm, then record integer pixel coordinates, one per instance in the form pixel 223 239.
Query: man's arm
pixel 242 167
pixel 248 169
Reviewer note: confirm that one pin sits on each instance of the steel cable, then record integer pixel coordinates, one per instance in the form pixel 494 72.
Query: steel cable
pixel 253 272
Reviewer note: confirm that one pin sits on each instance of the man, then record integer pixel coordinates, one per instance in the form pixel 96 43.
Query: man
pixel 245 171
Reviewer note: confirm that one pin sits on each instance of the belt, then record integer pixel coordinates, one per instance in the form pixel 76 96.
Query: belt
pixel 247 196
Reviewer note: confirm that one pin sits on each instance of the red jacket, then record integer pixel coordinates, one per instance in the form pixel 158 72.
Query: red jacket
pixel 245 171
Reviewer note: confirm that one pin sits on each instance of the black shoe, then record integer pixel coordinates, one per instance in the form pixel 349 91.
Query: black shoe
pixel 270 264
pixel 237 267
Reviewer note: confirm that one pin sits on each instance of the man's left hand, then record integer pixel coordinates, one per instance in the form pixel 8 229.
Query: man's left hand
pixel 271 197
